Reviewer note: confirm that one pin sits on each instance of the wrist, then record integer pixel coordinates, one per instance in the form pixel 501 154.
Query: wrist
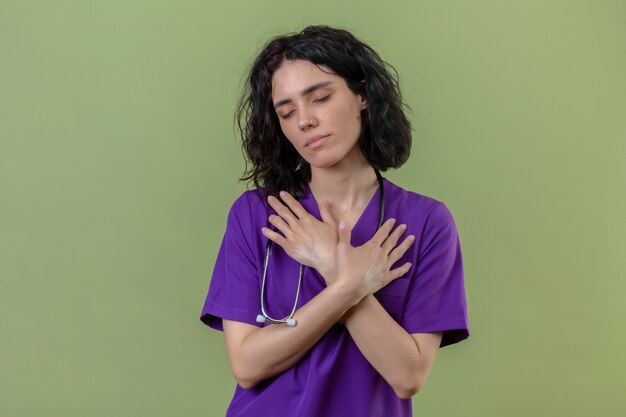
pixel 328 275
pixel 362 304
pixel 326 270
pixel 349 296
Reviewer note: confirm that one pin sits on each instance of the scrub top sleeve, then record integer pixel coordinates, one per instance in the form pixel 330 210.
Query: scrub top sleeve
pixel 234 289
pixel 436 296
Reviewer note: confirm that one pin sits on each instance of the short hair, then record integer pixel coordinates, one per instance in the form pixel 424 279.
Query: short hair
pixel 275 164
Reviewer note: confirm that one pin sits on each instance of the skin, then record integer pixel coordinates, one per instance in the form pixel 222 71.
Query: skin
pixel 343 182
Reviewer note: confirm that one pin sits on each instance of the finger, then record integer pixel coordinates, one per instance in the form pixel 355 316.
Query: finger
pixel 293 204
pixel 274 237
pixel 383 232
pixel 280 224
pixel 398 272
pixel 401 249
pixel 393 238
pixel 282 210
pixel 327 216
pixel 344 233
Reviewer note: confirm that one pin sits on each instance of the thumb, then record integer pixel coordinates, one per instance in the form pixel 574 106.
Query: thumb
pixel 327 216
pixel 344 233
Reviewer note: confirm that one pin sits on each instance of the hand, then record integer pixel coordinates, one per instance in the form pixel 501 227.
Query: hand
pixel 304 238
pixel 366 269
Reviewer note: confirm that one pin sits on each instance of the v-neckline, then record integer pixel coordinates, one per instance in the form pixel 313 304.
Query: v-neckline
pixel 355 231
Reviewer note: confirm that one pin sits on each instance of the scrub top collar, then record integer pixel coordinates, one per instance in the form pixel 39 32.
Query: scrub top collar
pixel 365 227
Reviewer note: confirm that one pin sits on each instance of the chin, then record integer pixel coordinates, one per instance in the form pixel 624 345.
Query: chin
pixel 329 157
pixel 321 161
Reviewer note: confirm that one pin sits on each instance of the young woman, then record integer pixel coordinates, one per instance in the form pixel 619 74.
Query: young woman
pixel 334 287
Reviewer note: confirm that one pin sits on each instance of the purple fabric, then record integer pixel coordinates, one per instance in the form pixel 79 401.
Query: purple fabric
pixel 334 378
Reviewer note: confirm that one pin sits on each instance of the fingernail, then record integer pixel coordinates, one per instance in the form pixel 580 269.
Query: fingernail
pixel 282 193
pixel 342 224
pixel 412 237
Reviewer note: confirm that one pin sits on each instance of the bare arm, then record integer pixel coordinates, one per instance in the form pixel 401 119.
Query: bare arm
pixel 256 353
pixel 404 360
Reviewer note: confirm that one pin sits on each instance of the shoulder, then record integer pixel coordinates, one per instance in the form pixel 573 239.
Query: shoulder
pixel 419 205
pixel 248 207
pixel 248 200
pixel 422 213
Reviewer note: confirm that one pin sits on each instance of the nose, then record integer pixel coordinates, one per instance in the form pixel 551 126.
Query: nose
pixel 306 120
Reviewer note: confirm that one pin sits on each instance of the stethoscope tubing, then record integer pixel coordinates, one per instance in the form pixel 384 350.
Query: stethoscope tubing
pixel 289 320
pixel 264 317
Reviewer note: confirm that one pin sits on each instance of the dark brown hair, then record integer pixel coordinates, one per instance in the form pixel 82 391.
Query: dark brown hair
pixel 385 131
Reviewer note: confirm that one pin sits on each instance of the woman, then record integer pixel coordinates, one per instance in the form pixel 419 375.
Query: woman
pixel 369 275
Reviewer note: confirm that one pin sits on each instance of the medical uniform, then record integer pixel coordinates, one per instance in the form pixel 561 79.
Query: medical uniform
pixel 334 378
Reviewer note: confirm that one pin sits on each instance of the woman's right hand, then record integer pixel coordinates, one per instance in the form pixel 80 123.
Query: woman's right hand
pixel 365 269
pixel 304 238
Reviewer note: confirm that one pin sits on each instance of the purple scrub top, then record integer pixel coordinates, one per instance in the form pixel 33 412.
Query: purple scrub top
pixel 334 378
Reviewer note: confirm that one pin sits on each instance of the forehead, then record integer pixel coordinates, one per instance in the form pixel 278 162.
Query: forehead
pixel 294 76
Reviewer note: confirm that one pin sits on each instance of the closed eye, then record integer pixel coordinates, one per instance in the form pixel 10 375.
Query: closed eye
pixel 318 100
pixel 286 116
pixel 322 99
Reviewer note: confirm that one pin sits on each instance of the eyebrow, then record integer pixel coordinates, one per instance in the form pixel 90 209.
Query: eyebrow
pixel 303 93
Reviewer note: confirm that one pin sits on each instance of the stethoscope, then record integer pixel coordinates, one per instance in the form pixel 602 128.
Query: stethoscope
pixel 289 320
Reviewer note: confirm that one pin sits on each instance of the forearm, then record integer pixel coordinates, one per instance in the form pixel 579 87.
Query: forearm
pixel 386 345
pixel 272 349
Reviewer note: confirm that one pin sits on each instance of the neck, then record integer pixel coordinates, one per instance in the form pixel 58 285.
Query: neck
pixel 347 187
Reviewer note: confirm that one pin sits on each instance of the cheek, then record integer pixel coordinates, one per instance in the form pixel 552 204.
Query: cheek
pixel 351 127
pixel 350 117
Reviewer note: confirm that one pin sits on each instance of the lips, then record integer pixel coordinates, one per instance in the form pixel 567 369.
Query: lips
pixel 314 139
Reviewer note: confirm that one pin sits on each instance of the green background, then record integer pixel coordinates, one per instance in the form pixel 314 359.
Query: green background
pixel 118 164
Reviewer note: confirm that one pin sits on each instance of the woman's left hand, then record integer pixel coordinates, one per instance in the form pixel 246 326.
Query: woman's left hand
pixel 307 240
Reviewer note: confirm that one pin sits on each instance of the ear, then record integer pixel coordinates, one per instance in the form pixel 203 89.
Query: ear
pixel 362 95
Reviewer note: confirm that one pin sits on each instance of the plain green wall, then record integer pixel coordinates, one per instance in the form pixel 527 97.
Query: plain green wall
pixel 118 164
